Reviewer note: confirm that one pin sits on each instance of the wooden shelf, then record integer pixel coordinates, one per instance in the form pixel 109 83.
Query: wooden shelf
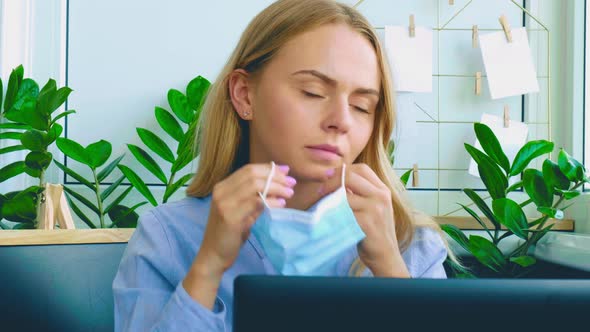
pixel 64 236
pixel 82 236
pixel 468 223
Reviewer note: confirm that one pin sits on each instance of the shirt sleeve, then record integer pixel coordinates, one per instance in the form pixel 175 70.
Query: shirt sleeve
pixel 427 255
pixel 424 257
pixel 145 296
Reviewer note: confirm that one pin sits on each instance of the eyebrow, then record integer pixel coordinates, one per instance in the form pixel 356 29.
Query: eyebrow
pixel 332 82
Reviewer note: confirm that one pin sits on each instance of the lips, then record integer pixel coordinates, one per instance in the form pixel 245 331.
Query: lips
pixel 328 148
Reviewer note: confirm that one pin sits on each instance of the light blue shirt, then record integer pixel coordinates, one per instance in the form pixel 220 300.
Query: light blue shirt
pixel 148 290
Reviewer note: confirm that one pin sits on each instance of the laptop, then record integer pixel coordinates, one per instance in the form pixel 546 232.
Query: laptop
pixel 281 303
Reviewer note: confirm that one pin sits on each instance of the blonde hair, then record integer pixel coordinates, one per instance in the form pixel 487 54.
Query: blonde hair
pixel 223 136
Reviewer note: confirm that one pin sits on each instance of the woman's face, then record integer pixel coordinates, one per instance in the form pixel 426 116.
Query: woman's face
pixel 313 105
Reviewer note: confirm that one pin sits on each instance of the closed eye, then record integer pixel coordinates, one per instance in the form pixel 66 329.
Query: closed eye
pixel 312 95
pixel 361 109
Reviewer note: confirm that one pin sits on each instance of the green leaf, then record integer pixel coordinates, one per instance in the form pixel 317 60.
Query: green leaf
pixel 515 186
pixel 486 252
pixel 554 176
pixel 535 187
pixel 98 153
pixel 12 170
pixel 156 144
pixel 105 194
pixel 26 112
pixel 187 141
pixel 179 104
pixel 196 91
pixel 38 160
pixel 491 145
pixel 551 212
pixel 14 81
pixel 476 217
pixel 406 177
pixel 183 159
pixel 138 184
pixel 169 124
pixel 58 98
pixel 569 194
pixel 73 150
pixel 27 91
pixel 10 125
pixel 118 200
pixel 79 213
pixel 572 170
pixel 33 140
pixel 510 214
pixel 524 261
pixel 61 115
pixel 11 135
pixel 75 175
pixel 491 175
pixel 456 234
pixel 22 207
pixel 124 217
pixel 54 132
pixel 47 93
pixel 24 225
pixel 82 200
pixel 106 171
pixel 36 173
pixel 483 207
pixel 148 162
pixel 176 185
pixel 528 152
pixel 13 148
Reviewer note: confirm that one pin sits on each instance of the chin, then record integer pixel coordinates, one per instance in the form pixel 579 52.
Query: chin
pixel 312 170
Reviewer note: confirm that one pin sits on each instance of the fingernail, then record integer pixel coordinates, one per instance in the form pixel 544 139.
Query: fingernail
pixel 284 169
pixel 282 201
pixel 290 192
pixel 291 181
pixel 330 171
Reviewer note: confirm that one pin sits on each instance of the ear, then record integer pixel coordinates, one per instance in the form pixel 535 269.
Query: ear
pixel 240 89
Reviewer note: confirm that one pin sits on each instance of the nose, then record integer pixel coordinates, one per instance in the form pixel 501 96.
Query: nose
pixel 338 117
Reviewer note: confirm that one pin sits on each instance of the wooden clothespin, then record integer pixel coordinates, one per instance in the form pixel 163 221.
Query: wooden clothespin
pixel 451 2
pixel 475 36
pixel 54 207
pixel 415 182
pixel 412 26
pixel 506 116
pixel 506 27
pixel 478 83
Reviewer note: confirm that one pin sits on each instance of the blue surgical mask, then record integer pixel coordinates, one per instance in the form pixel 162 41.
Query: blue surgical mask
pixel 308 242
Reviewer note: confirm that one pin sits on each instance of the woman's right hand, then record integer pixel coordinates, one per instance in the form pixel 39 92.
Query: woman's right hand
pixel 235 206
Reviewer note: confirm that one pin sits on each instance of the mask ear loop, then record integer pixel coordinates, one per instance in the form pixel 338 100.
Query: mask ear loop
pixel 268 181
pixel 343 175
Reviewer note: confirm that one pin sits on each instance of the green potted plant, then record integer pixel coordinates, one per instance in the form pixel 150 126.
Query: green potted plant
pixel 547 189
pixel 29 118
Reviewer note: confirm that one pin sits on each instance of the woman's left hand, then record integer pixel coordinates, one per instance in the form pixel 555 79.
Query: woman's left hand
pixel 370 200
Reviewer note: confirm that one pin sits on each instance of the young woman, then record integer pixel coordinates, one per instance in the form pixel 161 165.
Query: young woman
pixel 298 121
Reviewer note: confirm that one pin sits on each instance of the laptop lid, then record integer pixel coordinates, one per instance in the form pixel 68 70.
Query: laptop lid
pixel 280 303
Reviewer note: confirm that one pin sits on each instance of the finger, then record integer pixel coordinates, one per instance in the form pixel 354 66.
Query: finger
pixel 262 171
pixel 367 172
pixel 360 185
pixel 274 202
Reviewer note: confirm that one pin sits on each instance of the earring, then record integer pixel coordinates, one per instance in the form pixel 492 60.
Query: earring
pixel 246 113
